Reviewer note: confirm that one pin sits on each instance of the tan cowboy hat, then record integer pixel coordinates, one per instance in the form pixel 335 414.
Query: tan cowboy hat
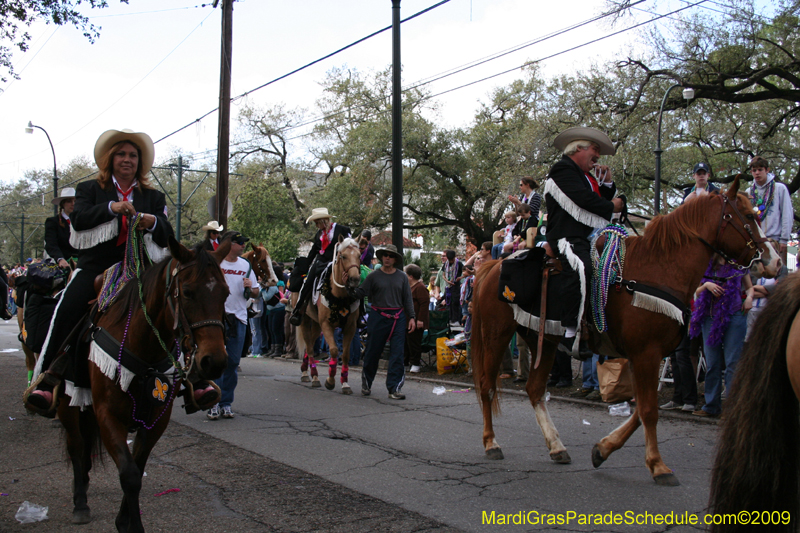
pixel 390 249
pixel 66 194
pixel 142 140
pixel 585 134
pixel 213 226
pixel 318 213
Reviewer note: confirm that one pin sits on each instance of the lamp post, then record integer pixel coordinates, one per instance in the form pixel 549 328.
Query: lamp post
pixel 29 129
pixel 688 94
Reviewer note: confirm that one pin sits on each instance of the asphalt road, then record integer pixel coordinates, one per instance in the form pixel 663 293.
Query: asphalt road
pixel 301 459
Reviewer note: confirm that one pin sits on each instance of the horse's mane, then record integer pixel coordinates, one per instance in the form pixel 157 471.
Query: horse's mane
pixel 152 286
pixel 347 243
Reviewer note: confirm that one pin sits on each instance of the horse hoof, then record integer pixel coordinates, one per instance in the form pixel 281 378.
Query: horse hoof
pixel 495 454
pixel 346 389
pixel 597 457
pixel 81 517
pixel 315 383
pixel 667 480
pixel 561 457
pixel 330 384
pixel 305 379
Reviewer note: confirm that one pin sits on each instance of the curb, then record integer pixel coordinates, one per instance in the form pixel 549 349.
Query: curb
pixel 675 415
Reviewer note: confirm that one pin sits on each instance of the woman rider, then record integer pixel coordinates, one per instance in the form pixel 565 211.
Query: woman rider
pixel 103 208
pixel 56 229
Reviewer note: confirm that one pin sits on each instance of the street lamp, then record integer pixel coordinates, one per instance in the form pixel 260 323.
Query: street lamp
pixel 29 129
pixel 688 94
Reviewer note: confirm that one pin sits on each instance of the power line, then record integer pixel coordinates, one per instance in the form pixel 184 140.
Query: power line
pixel 295 71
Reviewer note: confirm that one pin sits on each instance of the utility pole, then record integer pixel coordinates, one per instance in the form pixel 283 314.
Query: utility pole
pixel 22 239
pixel 179 205
pixel 397 133
pixel 223 137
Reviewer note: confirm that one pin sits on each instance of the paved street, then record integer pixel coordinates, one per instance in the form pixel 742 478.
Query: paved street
pixel 297 459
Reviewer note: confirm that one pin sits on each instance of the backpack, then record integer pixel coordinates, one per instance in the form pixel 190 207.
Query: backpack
pixel 46 277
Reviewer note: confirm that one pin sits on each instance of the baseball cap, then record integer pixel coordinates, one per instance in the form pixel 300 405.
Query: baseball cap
pixel 238 238
pixel 701 166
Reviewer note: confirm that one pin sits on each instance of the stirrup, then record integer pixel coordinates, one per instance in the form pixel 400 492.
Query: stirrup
pixel 49 379
pixel 206 402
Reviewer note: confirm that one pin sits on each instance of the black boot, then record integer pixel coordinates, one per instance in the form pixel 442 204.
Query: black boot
pixel 297 315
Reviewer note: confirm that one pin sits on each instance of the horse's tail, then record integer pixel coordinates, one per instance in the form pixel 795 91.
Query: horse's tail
pixel 478 349
pixel 757 464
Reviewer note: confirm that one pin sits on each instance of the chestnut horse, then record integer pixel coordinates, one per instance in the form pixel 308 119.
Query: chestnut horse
pixel 346 260
pixel 185 301
pixel 758 453
pixel 261 262
pixel 672 255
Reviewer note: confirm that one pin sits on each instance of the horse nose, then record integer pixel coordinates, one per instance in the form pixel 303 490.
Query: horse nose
pixel 212 366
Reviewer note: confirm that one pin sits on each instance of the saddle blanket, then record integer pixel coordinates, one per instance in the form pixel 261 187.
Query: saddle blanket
pixel 520 286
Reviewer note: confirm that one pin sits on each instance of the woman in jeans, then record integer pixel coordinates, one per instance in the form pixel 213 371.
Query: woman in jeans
pixel 720 307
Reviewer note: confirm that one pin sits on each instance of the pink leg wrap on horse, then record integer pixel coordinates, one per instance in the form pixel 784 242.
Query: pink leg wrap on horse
pixel 345 371
pixel 332 368
pixel 313 364
pixel 304 366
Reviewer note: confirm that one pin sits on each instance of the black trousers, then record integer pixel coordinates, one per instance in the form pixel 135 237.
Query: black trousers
pixel 70 310
pixel 683 374
pixel 314 271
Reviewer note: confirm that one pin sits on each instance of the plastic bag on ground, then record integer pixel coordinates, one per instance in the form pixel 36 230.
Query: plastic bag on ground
pixel 30 512
pixel 619 409
pixel 439 390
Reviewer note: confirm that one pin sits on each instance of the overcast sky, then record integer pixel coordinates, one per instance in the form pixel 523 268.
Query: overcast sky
pixel 155 66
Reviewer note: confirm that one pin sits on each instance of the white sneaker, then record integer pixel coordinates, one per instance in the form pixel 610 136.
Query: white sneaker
pixel 688 407
pixel 226 412
pixel 415 369
pixel 213 413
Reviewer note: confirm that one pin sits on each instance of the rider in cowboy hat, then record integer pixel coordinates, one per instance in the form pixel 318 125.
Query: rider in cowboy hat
pixel 213 231
pixel 577 203
pixel 99 227
pixel 321 254
pixel 56 229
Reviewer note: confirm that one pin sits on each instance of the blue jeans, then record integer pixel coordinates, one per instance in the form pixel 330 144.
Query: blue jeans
pixel 355 345
pixel 730 348
pixel 497 249
pixel 379 328
pixel 258 338
pixel 275 321
pixel 227 383
pixel 590 373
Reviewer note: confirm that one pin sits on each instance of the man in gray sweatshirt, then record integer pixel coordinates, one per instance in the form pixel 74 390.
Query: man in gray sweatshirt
pixel 391 312
pixel 773 204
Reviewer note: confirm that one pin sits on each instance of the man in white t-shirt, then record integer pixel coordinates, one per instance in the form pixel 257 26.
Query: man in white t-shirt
pixel 243 285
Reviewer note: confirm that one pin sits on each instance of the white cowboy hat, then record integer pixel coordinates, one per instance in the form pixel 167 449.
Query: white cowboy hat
pixel 66 194
pixel 318 213
pixel 142 140
pixel 585 134
pixel 213 226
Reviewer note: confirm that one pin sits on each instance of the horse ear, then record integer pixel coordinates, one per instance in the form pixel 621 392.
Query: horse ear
pixel 341 238
pixel 222 251
pixel 179 251
pixel 733 190
pixel 253 246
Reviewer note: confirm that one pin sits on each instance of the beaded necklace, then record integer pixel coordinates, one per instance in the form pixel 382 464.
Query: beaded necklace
pixel 607 268
pixel 115 278
pixel 765 202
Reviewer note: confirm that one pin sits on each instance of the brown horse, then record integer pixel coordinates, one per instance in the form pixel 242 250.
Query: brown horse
pixel 758 462
pixel 672 255
pixel 261 262
pixel 185 300
pixel 319 317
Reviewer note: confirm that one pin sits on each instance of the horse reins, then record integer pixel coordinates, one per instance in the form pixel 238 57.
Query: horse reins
pixel 181 326
pixel 745 231
pixel 345 274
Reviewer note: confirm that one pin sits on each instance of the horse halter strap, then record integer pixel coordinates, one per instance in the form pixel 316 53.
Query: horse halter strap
pixel 181 326
pixel 745 231
pixel 345 274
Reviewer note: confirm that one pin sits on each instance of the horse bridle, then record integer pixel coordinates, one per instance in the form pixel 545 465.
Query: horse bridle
pixel 345 274
pixel 181 327
pixel 745 231
pixel 259 270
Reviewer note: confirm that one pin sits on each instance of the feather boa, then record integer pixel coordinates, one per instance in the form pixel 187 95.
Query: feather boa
pixel 720 309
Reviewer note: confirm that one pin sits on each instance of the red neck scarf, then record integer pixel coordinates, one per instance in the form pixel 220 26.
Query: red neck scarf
pixel 127 196
pixel 593 182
